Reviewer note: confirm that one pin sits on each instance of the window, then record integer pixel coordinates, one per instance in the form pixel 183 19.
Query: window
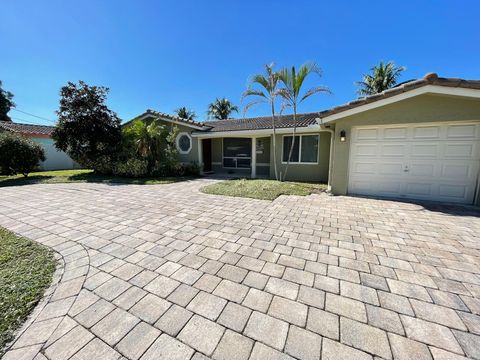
pixel 287 143
pixel 184 143
pixel 309 149
pixel 305 149
pixel 237 152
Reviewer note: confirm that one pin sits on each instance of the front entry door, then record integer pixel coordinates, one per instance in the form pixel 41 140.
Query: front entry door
pixel 207 154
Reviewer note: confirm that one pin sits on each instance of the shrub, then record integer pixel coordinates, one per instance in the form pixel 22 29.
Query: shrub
pixel 103 165
pixel 131 168
pixel 191 169
pixel 19 155
pixel 147 148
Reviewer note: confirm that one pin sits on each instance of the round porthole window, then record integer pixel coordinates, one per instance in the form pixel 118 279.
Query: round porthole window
pixel 184 143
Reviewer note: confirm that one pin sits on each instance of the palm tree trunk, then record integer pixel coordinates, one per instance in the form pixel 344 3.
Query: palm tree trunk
pixel 293 140
pixel 274 146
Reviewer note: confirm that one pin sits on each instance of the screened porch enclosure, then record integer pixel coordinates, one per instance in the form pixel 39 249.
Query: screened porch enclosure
pixel 237 156
pixel 252 156
pixel 237 153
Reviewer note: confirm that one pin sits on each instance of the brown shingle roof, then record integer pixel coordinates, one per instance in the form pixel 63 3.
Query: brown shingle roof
pixel 264 122
pixel 26 128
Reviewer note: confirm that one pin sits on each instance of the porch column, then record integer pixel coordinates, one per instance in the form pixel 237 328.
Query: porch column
pixel 254 158
pixel 200 155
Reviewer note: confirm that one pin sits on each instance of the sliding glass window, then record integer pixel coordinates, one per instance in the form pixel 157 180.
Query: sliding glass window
pixel 305 149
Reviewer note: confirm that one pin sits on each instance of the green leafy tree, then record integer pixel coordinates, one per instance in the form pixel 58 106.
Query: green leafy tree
pixel 292 95
pixel 19 155
pixel 382 77
pixel 170 159
pixel 147 139
pixel 263 88
pixel 185 113
pixel 6 103
pixel 87 129
pixel 221 109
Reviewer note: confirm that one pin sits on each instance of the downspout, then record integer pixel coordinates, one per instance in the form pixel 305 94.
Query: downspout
pixel 332 147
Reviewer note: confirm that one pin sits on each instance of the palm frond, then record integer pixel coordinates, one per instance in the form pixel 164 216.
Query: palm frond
pixel 382 77
pixel 252 104
pixel 260 80
pixel 221 109
pixel 266 83
pixel 284 106
pixel 286 95
pixel 305 70
pixel 252 92
pixel 315 90
pixel 185 113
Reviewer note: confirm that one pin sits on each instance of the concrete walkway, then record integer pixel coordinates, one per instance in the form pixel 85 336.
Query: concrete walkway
pixel 166 272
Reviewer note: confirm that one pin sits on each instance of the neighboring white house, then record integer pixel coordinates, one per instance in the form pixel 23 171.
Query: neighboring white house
pixel 42 134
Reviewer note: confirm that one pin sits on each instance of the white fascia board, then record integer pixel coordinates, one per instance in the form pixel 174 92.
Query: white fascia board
pixel 429 89
pixel 255 133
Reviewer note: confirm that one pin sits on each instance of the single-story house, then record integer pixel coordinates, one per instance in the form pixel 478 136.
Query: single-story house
pixel 418 140
pixel 42 134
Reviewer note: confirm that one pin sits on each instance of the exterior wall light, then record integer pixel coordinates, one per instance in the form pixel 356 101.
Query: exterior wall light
pixel 343 136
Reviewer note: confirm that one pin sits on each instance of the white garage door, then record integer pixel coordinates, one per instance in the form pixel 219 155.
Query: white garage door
pixel 427 162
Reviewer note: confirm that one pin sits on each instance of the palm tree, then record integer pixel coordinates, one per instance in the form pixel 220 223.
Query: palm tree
pixel 291 94
pixel 185 113
pixel 383 76
pixel 221 109
pixel 269 84
pixel 147 139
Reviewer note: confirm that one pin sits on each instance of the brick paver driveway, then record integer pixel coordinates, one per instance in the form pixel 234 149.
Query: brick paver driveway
pixel 166 272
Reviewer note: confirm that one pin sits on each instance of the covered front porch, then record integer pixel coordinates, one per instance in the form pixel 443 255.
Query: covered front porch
pixel 232 157
pixel 245 154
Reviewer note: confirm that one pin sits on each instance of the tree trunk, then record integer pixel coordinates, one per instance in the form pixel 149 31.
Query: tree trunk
pixel 274 140
pixel 293 140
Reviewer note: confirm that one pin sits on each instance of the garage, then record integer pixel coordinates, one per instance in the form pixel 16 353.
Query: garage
pixel 423 161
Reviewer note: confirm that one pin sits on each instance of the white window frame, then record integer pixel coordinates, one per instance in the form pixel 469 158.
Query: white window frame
pixel 177 142
pixel 235 158
pixel 300 136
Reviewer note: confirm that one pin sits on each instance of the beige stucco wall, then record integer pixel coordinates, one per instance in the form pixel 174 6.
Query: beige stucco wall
pixel 304 172
pixel 192 156
pixel 423 108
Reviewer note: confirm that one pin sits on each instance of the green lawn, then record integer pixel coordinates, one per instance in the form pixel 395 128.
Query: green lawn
pixel 26 270
pixel 67 176
pixel 262 189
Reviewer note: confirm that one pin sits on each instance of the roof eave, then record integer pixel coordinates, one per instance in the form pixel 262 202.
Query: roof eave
pixel 406 93
pixel 169 118
pixel 255 132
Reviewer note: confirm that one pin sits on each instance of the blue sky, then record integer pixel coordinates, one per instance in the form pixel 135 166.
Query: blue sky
pixel 166 54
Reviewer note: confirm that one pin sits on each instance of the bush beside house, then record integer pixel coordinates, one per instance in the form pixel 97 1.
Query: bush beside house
pixel 19 155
